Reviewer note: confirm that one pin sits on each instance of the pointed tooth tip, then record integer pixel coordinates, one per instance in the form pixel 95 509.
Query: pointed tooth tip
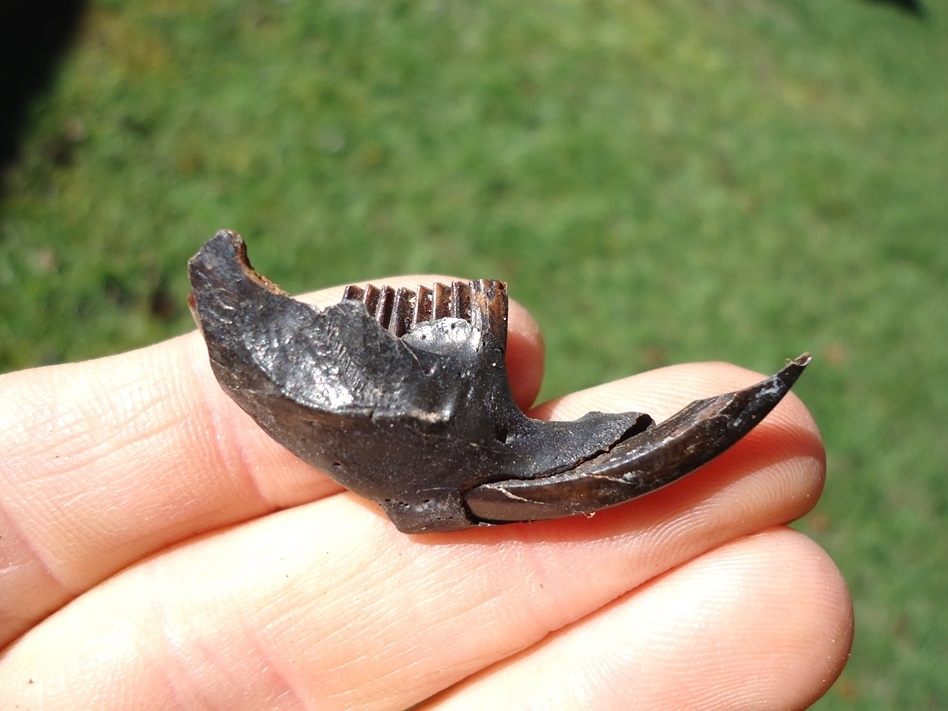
pixel 802 360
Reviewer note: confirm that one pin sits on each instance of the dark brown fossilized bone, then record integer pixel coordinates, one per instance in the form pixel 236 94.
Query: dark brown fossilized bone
pixel 402 396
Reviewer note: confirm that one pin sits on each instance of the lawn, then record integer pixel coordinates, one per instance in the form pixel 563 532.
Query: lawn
pixel 657 182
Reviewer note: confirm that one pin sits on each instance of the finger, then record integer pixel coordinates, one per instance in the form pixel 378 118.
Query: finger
pixel 110 460
pixel 764 622
pixel 329 603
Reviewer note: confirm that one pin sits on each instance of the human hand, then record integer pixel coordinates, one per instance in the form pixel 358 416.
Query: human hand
pixel 159 550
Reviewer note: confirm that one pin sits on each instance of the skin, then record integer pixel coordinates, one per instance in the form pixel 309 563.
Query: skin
pixel 157 550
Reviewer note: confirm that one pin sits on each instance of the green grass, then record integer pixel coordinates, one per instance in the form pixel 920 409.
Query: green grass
pixel 658 183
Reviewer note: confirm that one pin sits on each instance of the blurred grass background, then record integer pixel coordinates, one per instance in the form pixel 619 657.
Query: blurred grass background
pixel 659 183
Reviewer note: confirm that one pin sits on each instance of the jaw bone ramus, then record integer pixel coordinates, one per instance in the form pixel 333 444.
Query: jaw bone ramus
pixel 402 397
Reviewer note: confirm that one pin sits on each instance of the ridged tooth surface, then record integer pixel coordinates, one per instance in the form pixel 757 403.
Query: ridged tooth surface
pixel 481 303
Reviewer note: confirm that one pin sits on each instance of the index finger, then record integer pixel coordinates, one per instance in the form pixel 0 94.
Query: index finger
pixel 108 461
